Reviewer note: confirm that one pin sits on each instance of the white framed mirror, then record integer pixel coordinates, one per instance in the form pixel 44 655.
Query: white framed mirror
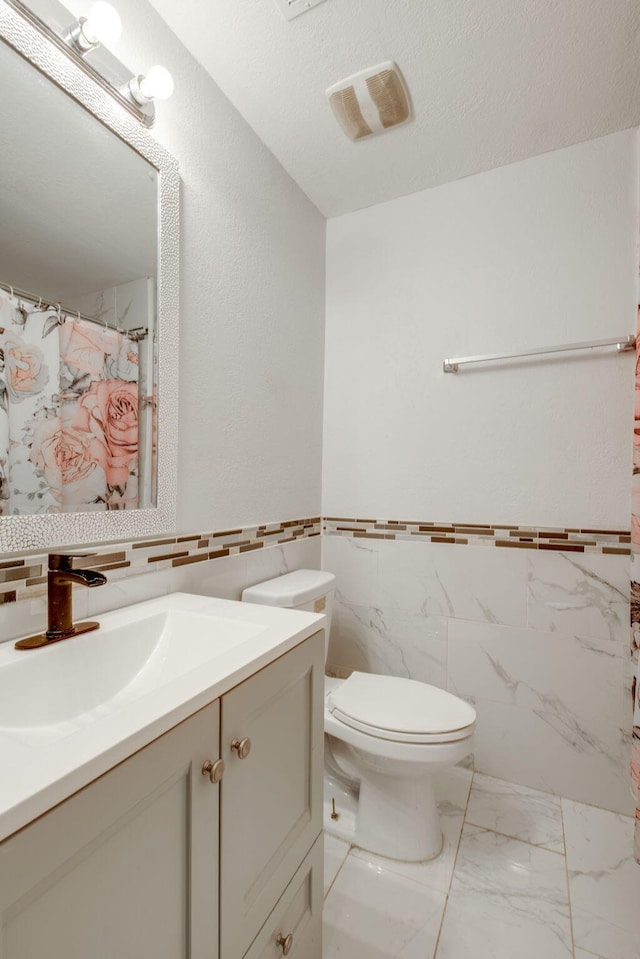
pixel 89 203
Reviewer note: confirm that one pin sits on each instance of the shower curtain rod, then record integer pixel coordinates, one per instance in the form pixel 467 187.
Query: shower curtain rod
pixel 136 334
pixel 623 344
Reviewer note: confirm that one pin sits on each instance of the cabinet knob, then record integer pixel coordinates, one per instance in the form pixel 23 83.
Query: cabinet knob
pixel 215 770
pixel 286 942
pixel 242 747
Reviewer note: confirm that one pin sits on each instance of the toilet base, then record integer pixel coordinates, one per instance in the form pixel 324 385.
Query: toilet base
pixel 397 819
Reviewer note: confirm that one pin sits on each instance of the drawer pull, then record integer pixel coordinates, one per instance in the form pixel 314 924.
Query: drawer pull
pixel 215 771
pixel 286 942
pixel 242 747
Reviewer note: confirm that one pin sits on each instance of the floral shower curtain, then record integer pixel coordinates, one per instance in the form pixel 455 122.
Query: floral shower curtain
pixel 68 413
pixel 635 602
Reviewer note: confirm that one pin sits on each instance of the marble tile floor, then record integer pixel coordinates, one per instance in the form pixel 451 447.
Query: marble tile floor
pixel 522 873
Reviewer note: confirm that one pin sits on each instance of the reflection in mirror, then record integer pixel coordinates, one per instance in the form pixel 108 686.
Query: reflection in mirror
pixel 78 271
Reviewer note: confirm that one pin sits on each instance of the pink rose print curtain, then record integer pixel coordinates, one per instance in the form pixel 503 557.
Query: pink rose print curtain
pixel 68 413
pixel 635 602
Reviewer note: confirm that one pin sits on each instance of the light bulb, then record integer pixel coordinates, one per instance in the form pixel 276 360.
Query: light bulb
pixel 157 84
pixel 103 25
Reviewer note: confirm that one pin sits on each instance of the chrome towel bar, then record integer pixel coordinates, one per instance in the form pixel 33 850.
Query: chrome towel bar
pixel 622 344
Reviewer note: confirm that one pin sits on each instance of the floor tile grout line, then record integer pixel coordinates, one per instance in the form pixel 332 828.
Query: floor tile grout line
pixel 348 853
pixel 507 835
pixel 566 868
pixel 360 855
pixel 455 863
pixel 544 792
pixel 529 789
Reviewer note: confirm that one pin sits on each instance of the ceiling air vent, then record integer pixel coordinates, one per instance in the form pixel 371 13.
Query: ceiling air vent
pixel 293 8
pixel 370 102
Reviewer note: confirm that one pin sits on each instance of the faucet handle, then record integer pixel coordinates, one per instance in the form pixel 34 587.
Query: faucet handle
pixel 63 562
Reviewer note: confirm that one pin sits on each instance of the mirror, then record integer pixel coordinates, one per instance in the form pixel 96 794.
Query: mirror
pixel 78 254
pixel 86 260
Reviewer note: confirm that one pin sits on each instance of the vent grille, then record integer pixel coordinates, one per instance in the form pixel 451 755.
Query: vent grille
pixel 387 92
pixel 371 101
pixel 347 111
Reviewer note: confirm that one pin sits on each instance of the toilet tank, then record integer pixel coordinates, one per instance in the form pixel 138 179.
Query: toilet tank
pixel 308 589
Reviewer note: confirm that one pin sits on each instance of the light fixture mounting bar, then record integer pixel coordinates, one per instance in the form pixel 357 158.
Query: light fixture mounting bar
pixel 49 16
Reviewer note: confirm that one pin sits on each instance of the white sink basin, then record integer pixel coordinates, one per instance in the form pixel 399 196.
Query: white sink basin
pixel 113 665
pixel 73 710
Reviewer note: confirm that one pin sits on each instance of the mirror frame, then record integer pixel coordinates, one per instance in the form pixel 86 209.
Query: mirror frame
pixel 51 56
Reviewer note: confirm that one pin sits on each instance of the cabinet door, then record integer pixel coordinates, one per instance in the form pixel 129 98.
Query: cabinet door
pixel 271 809
pixel 297 915
pixel 127 867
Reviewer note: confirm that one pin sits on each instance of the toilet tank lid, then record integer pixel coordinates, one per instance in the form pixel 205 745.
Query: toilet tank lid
pixel 293 589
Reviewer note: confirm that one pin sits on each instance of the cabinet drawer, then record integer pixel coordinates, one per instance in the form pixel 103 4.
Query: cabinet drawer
pixel 298 914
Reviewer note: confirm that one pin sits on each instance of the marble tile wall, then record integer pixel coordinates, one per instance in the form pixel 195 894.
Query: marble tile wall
pixel 536 639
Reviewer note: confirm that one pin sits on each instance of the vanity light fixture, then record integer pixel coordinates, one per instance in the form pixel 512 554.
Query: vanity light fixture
pixel 156 85
pixel 102 26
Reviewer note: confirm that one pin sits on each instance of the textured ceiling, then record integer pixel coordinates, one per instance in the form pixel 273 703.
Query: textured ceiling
pixel 492 82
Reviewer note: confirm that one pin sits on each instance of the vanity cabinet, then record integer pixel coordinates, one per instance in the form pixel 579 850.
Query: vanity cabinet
pixel 271 801
pixel 127 867
pixel 153 859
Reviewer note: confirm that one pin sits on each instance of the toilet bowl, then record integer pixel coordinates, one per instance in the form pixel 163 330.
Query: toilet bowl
pixel 385 736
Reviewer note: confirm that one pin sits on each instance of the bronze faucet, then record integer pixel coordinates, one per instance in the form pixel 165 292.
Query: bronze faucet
pixel 60 578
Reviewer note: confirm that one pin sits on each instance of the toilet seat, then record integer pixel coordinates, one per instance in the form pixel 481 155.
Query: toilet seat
pixel 400 710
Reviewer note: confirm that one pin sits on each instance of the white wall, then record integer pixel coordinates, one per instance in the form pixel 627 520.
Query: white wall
pixel 252 301
pixel 537 253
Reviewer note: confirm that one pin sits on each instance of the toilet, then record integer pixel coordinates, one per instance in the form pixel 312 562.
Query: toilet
pixel 385 736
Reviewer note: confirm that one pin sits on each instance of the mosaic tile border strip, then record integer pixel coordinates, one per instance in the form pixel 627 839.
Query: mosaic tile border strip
pixel 565 539
pixel 25 576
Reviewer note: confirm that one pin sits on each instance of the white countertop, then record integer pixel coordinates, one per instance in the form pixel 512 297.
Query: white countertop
pixel 42 765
